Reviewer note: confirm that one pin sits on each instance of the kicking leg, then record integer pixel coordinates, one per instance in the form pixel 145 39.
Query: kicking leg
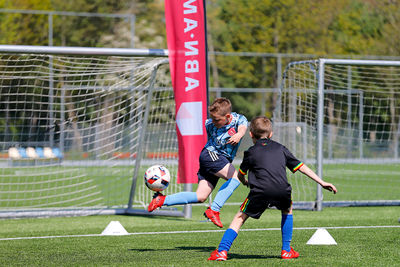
pixel 203 191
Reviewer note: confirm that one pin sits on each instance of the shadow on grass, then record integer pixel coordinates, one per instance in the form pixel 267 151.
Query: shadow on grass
pixel 247 257
pixel 156 217
pixel 207 249
pixel 199 249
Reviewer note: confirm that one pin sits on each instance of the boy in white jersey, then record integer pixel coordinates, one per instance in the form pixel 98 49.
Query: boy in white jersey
pixel 225 130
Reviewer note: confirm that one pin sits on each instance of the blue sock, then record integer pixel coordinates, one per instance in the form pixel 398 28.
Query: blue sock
pixel 224 193
pixel 287 231
pixel 227 240
pixel 181 198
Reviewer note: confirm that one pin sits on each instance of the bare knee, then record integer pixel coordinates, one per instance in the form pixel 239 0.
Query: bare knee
pixel 201 199
pixel 204 190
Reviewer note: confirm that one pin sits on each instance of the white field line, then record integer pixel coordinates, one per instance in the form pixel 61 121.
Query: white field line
pixel 205 231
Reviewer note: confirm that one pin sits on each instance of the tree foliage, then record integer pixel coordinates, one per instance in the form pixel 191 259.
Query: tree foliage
pixel 317 27
pixel 321 27
pixel 17 28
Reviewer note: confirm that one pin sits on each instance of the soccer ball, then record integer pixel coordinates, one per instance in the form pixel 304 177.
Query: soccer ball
pixel 157 178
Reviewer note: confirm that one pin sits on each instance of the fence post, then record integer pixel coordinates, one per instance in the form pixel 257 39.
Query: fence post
pixel 320 130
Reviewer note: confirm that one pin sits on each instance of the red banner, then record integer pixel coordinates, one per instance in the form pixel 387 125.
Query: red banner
pixel 187 58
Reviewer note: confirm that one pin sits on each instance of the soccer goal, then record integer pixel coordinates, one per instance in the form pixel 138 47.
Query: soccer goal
pixel 342 117
pixel 79 127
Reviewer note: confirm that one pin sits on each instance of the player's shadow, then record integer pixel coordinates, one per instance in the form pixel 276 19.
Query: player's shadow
pixel 210 249
pixel 243 256
pixel 199 249
pixel 155 216
pixel 230 255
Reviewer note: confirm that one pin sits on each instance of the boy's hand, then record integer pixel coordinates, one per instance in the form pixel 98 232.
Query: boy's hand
pixel 243 179
pixel 329 187
pixel 235 139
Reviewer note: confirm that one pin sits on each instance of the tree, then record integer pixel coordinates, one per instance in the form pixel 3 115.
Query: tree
pixel 389 43
pixel 24 29
pixel 82 30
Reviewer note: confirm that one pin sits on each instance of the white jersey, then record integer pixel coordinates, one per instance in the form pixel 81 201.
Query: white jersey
pixel 217 138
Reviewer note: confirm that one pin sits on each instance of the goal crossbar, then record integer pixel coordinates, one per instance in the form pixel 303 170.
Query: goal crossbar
pixel 94 51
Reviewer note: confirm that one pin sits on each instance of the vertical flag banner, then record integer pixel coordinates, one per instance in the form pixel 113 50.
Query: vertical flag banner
pixel 186 36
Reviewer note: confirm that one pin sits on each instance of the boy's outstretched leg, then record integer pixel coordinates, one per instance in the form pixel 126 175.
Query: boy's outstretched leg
pixel 203 191
pixel 170 200
pixel 158 201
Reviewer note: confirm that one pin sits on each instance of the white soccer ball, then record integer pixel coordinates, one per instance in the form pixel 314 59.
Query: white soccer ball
pixel 157 178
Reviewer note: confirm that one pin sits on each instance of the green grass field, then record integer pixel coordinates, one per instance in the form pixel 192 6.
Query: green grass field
pixel 362 241
pixel 110 186
pixel 149 245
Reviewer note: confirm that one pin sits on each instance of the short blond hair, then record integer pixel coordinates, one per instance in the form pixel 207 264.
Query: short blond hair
pixel 260 126
pixel 221 106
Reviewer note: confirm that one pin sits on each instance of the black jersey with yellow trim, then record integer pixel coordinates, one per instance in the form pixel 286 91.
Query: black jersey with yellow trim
pixel 266 162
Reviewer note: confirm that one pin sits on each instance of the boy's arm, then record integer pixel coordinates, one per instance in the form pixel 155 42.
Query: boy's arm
pixel 307 171
pixel 242 179
pixel 235 139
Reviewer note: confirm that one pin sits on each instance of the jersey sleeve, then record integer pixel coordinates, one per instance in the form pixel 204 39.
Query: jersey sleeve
pixel 292 163
pixel 208 124
pixel 244 166
pixel 242 120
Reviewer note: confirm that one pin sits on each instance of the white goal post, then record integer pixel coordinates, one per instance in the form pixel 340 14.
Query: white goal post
pixel 342 117
pixel 78 128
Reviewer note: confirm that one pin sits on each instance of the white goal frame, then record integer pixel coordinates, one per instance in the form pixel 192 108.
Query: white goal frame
pixel 316 69
pixel 130 208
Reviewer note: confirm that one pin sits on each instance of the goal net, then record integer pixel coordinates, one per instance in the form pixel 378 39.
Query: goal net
pixel 77 132
pixel 342 118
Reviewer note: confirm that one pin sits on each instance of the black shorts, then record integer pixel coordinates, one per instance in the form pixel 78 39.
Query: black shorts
pixel 256 203
pixel 211 163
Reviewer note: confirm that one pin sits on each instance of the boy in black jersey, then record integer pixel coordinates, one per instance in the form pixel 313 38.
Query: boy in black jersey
pixel 266 162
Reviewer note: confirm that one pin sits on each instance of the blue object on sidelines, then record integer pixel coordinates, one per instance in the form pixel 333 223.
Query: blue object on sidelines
pixel 39 152
pixel 22 153
pixel 57 152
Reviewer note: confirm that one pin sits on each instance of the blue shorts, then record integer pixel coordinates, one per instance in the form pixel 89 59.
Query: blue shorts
pixel 211 163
